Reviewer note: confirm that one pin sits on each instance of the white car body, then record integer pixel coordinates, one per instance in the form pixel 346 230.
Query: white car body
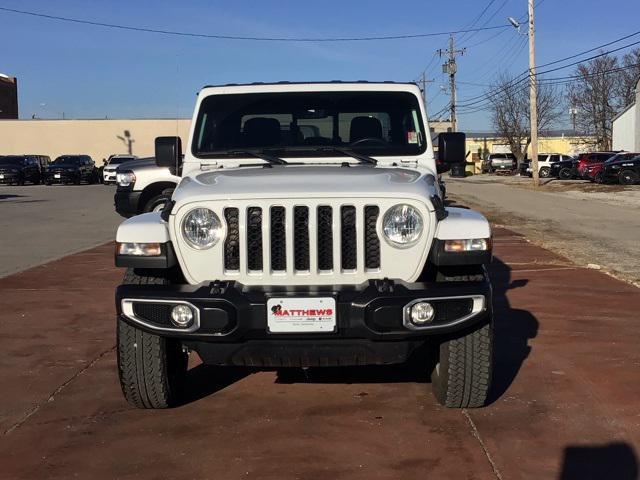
pixel 394 180
pixel 109 170
pixel 545 160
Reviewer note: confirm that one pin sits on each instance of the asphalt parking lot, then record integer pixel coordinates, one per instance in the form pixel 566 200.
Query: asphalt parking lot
pixel 40 223
pixel 564 403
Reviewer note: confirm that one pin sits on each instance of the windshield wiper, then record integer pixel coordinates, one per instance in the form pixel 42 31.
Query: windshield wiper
pixel 263 156
pixel 350 153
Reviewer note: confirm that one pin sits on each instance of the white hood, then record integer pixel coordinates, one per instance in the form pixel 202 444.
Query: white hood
pixel 306 181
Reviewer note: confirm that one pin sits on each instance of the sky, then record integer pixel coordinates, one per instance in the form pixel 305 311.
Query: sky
pixel 85 71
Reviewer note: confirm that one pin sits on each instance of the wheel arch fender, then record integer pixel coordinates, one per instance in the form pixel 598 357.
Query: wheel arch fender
pixel 144 228
pixel 461 224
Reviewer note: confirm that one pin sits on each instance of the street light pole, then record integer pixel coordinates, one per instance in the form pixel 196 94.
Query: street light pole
pixel 533 98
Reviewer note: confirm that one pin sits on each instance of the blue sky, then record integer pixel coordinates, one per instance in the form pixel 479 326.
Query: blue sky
pixel 93 72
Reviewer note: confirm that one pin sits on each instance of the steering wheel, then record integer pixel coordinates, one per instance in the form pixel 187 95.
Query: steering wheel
pixel 379 141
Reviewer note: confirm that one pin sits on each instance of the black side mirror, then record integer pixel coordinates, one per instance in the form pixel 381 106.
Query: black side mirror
pixel 169 153
pixel 451 148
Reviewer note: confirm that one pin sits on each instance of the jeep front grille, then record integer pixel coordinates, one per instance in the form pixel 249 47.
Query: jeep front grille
pixel 292 225
pixel 303 241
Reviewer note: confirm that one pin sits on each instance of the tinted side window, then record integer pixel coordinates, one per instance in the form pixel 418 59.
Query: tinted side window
pixel 555 158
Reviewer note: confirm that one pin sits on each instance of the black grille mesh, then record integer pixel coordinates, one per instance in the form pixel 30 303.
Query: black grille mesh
pixel 254 238
pixel 232 242
pixel 348 237
pixel 278 239
pixel 325 238
pixel 158 313
pixel 301 237
pixel 371 240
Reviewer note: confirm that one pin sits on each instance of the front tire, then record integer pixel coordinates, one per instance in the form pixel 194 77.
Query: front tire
pixel 628 177
pixel 156 204
pixel 152 369
pixel 462 375
pixel 565 174
pixel 545 172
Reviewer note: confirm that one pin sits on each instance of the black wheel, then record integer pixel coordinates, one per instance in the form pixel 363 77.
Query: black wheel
pixel 598 178
pixel 156 204
pixel 151 368
pixel 628 177
pixel 565 174
pixel 545 172
pixel 462 375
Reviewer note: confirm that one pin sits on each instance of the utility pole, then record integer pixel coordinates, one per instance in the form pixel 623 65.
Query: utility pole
pixel 451 68
pixel 573 111
pixel 533 98
pixel 423 83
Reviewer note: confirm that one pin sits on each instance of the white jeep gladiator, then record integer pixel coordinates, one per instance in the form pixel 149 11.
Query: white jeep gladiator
pixel 308 230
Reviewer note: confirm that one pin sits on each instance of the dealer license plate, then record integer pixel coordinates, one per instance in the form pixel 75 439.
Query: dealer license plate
pixel 56 175
pixel 301 315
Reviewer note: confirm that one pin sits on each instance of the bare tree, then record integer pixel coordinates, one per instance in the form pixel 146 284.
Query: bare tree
pixel 596 92
pixel 510 113
pixel 629 76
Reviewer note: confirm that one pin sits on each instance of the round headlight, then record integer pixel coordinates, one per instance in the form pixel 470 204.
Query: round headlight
pixel 402 225
pixel 201 228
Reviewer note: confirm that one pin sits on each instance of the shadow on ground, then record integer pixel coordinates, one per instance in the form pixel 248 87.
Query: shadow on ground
pixel 513 329
pixel 614 460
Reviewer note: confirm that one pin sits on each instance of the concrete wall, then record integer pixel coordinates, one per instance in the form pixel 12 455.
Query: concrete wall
pixel 624 130
pixel 98 138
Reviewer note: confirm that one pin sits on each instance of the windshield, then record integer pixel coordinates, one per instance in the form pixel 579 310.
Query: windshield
pixel 310 123
pixel 66 161
pixel 14 161
pixel 119 160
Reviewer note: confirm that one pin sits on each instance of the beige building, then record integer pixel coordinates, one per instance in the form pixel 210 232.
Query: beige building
pixel 97 138
pixel 561 141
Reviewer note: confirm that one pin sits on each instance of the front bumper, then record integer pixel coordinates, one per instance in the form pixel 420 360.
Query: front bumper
pixel 126 201
pixel 68 176
pixel 10 177
pixel 371 320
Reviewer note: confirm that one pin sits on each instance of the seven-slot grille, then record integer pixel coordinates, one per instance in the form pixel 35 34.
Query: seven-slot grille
pixel 302 239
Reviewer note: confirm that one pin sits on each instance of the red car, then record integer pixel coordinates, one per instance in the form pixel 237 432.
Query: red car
pixel 586 159
pixel 594 170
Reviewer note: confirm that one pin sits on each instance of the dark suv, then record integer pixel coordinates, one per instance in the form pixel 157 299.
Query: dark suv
pixel 18 169
pixel 71 169
pixel 626 171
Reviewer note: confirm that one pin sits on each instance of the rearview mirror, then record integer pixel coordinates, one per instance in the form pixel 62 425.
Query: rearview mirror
pixel 451 147
pixel 169 153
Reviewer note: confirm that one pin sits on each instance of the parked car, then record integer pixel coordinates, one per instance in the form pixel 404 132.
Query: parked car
pixel 109 170
pixel 584 160
pixel 71 169
pixel 142 187
pixel 563 169
pixel 545 160
pixel 625 171
pixel 18 169
pixel 595 171
pixel 499 162
pixel 276 252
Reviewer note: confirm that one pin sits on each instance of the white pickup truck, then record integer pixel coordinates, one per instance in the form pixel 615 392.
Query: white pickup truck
pixel 308 229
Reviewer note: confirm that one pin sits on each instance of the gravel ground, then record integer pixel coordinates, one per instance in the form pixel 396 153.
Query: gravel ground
pixel 595 225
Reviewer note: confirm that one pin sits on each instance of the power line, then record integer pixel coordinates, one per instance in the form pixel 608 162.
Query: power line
pixel 237 37
pixel 486 104
pixel 524 76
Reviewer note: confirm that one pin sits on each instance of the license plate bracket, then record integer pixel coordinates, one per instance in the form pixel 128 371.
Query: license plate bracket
pixel 301 315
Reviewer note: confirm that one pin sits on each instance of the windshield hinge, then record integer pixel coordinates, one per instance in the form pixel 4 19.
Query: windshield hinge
pixel 209 165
